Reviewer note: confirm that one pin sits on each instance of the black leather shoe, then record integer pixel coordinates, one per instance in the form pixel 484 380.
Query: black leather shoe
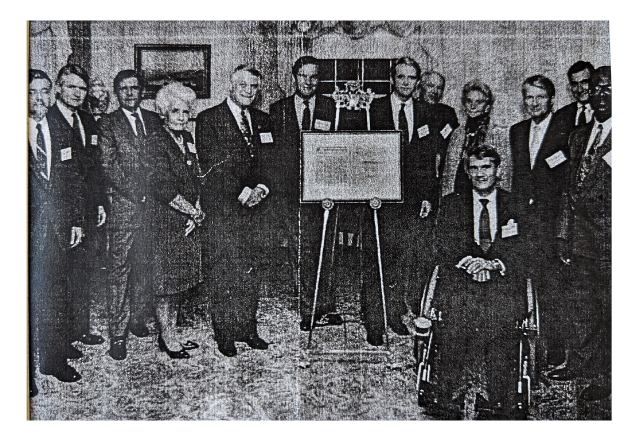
pixel 182 354
pixel 561 374
pixel 595 392
pixel 189 345
pixel 139 330
pixel 399 329
pixel 62 372
pixel 118 348
pixel 330 319
pixel 375 339
pixel 227 348
pixel 92 339
pixel 256 343
pixel 72 353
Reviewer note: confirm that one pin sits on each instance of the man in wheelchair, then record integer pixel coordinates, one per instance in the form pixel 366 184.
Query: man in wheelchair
pixel 480 247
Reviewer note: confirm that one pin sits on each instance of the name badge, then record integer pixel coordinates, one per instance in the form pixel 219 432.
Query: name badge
pixel 510 230
pixel 94 140
pixel 189 162
pixel 65 154
pixel 608 158
pixel 322 125
pixel 445 132
pixel 266 138
pixel 191 147
pixel 556 159
pixel 423 131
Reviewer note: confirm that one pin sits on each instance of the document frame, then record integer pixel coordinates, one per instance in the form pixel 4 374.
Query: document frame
pixel 351 166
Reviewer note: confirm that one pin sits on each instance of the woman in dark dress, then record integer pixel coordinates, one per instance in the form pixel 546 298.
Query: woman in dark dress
pixel 174 214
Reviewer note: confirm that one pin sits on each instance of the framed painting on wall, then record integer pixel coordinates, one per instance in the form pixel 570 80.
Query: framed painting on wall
pixel 162 63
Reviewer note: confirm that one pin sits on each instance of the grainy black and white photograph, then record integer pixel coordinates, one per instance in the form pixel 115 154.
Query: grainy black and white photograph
pixel 319 220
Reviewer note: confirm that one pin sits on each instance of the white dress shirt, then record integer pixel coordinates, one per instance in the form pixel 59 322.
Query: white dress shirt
pixel 607 127
pixel 492 213
pixel 237 114
pixel 46 135
pixel 132 120
pixel 396 104
pixel 581 107
pixel 299 109
pixel 68 115
pixel 536 137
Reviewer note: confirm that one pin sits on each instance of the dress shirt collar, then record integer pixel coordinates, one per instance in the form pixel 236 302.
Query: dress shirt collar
pixel 541 128
pixel 492 212
pixel 132 120
pixel 396 104
pixel 588 110
pixel 299 108
pixel 237 113
pixel 606 128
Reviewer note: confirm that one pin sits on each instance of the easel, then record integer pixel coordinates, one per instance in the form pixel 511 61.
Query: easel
pixel 327 205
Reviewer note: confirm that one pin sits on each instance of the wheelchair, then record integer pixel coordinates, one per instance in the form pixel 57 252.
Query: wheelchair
pixel 426 346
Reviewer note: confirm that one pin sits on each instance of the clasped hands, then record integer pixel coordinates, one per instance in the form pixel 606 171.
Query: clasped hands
pixel 479 268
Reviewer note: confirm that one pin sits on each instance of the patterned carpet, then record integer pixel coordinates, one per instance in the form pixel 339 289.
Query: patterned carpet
pixel 286 382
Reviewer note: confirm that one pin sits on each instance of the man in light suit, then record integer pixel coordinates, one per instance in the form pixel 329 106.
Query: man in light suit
pixel 303 111
pixel 75 129
pixel 540 168
pixel 480 245
pixel 579 112
pixel 586 247
pixel 122 142
pixel 57 200
pixel 233 141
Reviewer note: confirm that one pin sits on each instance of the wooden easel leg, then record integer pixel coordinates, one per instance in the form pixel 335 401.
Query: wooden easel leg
pixel 327 205
pixel 381 274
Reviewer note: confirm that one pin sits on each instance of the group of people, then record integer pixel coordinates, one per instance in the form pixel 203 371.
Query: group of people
pixel 491 206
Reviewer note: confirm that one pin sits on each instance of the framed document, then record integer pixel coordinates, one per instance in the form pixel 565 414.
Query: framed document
pixel 351 166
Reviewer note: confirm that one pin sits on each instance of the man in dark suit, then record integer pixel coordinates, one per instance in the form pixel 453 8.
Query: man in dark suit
pixel 482 290
pixel 402 254
pixel 580 112
pixel 233 140
pixel 57 200
pixel 122 143
pixel 303 111
pixel 586 247
pixel 75 129
pixel 445 119
pixel 540 167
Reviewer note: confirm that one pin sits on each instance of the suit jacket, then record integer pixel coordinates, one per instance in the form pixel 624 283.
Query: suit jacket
pixel 89 153
pixel 586 221
pixel 419 157
pixel 542 187
pixel 230 166
pixel 455 240
pixel 566 116
pixel 122 159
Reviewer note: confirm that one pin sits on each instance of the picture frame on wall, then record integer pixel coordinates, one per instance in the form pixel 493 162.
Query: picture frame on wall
pixel 163 63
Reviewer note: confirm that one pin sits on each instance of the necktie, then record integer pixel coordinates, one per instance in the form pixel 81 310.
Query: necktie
pixel 403 123
pixel 41 153
pixel 485 240
pixel 581 116
pixel 589 158
pixel 246 131
pixel 306 117
pixel 139 128
pixel 77 134
pixel 534 148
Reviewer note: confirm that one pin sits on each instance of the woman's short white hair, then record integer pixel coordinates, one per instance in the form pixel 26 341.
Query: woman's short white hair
pixel 171 93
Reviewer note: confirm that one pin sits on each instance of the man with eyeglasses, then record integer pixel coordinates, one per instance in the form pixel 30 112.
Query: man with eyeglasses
pixel 305 110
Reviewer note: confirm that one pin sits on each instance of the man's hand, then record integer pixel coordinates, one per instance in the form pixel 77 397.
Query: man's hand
pixel 76 236
pixel 101 215
pixel 256 197
pixel 426 209
pixel 482 276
